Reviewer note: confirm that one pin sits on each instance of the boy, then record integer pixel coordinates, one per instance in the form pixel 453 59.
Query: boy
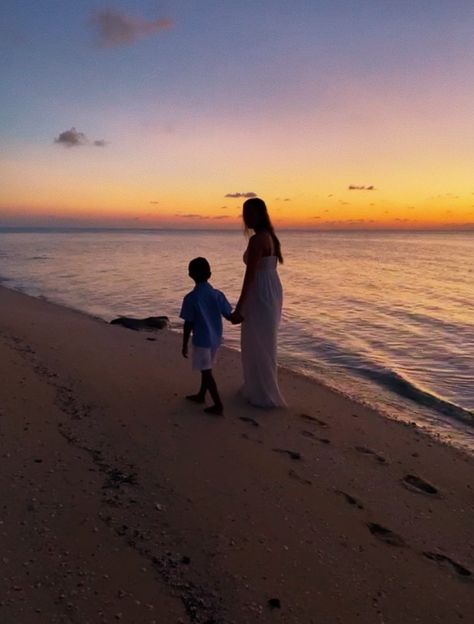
pixel 202 310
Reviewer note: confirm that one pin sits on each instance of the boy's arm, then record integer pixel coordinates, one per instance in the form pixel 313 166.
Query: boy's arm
pixel 187 314
pixel 187 329
pixel 226 308
pixel 227 312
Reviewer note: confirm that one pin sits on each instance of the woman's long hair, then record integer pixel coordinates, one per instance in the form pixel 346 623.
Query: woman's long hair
pixel 258 209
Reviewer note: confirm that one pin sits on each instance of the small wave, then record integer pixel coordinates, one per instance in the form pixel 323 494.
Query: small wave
pixel 395 382
pixel 39 258
pixel 329 352
pixel 427 320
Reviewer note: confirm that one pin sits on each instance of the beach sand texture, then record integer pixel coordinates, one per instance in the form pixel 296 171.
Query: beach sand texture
pixel 120 501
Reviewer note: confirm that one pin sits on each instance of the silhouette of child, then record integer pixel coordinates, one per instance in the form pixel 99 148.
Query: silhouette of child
pixel 202 312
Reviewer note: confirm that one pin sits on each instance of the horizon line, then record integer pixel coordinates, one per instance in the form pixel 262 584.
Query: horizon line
pixel 59 228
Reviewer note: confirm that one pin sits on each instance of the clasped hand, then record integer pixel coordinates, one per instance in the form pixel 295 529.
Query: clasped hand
pixel 236 318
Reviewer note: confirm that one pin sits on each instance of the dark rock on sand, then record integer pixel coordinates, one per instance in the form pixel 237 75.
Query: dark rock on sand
pixel 149 323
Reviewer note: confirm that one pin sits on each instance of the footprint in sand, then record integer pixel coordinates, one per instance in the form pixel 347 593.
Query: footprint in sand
pixel 247 437
pixel 415 484
pixel 316 421
pixel 294 475
pixel 385 535
pixel 249 420
pixel 368 451
pixel 310 434
pixel 292 454
pixel 443 559
pixel 350 499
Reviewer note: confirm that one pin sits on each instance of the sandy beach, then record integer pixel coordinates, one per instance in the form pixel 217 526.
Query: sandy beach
pixel 123 502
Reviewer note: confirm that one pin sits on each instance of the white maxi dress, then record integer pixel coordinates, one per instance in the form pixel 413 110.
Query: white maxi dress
pixel 259 333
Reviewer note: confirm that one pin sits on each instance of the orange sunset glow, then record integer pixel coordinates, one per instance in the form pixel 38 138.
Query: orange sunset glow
pixel 374 131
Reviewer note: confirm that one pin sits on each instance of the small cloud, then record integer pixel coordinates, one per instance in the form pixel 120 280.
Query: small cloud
pixel 74 138
pixel 355 187
pixel 154 202
pixel 331 195
pixel 287 199
pixel 115 28
pixel 71 138
pixel 223 207
pixel 247 195
pixel 190 216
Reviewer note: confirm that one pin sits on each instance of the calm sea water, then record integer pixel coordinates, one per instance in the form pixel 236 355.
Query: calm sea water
pixel 385 317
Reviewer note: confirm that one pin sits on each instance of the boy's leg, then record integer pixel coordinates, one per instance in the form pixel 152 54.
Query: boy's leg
pixel 200 397
pixel 211 385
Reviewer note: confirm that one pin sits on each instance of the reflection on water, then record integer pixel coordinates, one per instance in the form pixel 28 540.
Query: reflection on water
pixel 386 316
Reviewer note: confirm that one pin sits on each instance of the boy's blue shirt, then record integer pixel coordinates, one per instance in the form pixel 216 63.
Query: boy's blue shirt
pixel 204 307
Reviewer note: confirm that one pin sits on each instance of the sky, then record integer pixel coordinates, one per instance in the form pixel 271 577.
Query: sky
pixel 338 113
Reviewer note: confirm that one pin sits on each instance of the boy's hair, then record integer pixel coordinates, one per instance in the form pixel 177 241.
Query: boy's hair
pixel 199 270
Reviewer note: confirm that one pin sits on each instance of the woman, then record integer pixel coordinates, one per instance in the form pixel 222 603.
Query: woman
pixel 259 308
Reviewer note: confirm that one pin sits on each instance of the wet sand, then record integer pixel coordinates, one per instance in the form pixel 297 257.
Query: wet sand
pixel 120 501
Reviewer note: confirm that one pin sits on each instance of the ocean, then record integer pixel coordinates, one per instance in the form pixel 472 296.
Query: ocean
pixel 384 317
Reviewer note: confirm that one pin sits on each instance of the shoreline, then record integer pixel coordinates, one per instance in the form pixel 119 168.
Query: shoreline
pixel 124 502
pixel 450 430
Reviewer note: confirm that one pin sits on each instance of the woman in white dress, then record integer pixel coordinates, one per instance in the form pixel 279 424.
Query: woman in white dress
pixel 259 308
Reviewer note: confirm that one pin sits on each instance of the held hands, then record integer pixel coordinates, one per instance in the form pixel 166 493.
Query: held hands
pixel 236 318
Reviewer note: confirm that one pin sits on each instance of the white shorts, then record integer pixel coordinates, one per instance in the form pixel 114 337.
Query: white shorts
pixel 203 358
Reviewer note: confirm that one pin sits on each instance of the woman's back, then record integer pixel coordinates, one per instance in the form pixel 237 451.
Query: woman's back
pixel 259 308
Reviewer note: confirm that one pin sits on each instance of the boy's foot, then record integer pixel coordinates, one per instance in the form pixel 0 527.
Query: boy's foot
pixel 217 410
pixel 196 398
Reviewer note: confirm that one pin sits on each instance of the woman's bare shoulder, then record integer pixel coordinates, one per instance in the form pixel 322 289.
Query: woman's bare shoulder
pixel 260 238
pixel 254 241
pixel 256 246
pixel 262 242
